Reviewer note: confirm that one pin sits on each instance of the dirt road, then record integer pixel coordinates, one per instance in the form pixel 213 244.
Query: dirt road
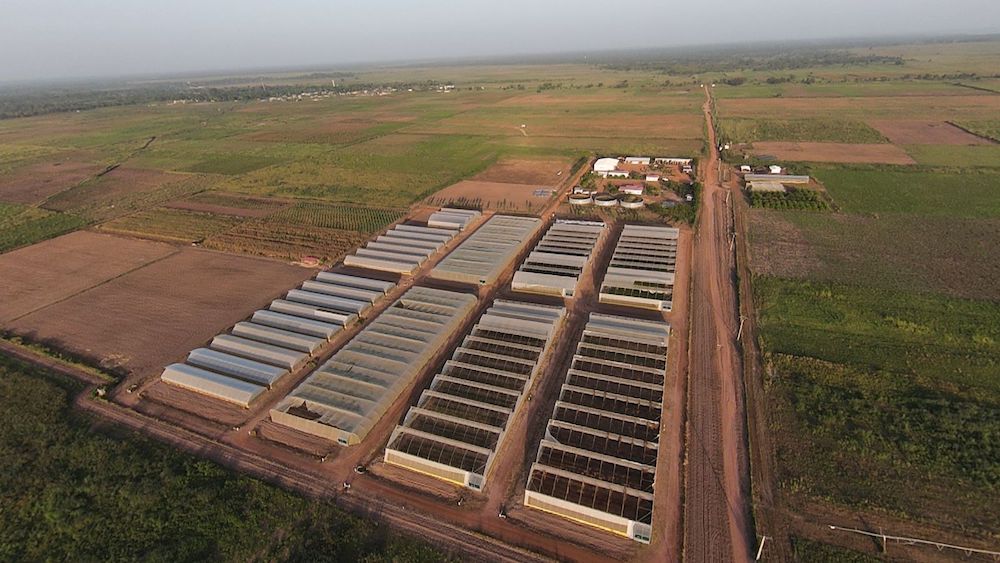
pixel 716 513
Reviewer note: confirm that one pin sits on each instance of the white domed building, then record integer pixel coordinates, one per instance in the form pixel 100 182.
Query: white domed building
pixel 604 165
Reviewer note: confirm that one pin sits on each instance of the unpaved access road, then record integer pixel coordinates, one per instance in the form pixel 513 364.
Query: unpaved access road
pixel 716 508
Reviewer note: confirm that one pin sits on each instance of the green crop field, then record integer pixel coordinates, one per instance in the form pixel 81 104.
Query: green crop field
pixel 948 192
pixel 986 128
pixel 808 200
pixel 343 217
pixel 174 225
pixel 21 226
pixel 976 156
pixel 80 492
pixel 885 398
pixel 743 130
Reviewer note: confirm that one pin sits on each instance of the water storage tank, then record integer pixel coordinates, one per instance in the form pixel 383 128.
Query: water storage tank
pixel 580 199
pixel 605 200
pixel 631 202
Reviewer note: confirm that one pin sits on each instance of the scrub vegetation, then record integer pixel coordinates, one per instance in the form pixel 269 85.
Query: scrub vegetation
pixel 76 491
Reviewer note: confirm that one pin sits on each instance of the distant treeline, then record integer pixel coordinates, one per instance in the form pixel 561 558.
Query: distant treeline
pixel 38 100
pixel 763 61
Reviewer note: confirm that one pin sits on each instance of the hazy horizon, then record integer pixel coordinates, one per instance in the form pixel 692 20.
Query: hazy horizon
pixel 60 39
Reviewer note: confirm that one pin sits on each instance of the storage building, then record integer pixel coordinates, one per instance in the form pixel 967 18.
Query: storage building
pixel 460 422
pixel 596 463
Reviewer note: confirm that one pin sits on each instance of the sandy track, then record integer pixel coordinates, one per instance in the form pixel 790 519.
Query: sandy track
pixel 716 522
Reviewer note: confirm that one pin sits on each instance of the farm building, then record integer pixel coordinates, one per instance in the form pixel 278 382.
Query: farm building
pixel 746 169
pixel 344 398
pixel 456 219
pixel 460 421
pixel 401 250
pixel 775 169
pixel 632 189
pixel 638 160
pixel 641 273
pixel 488 251
pixel 555 264
pixel 652 177
pixel 604 165
pixel 239 366
pixel 782 178
pixel 597 461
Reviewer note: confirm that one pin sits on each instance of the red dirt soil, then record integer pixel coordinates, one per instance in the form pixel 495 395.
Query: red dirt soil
pixel 156 314
pixel 919 132
pixel 35 183
pixel 50 271
pixel 833 152
pixel 716 503
pixel 493 195
pixel 541 172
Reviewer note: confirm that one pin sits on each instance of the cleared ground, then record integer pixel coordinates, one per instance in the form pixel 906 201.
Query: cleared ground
pixel 833 152
pixel 156 314
pixel 542 172
pixel 493 195
pixel 36 182
pixel 48 272
pixel 918 132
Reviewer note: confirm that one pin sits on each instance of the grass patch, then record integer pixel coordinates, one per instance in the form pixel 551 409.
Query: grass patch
pixel 947 192
pixel 744 130
pixel 72 492
pixel 21 226
pixel 175 225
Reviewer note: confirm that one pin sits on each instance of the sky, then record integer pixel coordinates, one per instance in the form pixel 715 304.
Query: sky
pixel 66 39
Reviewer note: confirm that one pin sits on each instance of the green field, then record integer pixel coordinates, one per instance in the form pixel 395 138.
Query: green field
pixel 947 192
pixel 985 156
pixel 743 130
pixel 21 226
pixel 343 217
pixel 886 399
pixel 74 491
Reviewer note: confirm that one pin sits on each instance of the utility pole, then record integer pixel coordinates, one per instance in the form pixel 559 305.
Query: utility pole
pixel 760 550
